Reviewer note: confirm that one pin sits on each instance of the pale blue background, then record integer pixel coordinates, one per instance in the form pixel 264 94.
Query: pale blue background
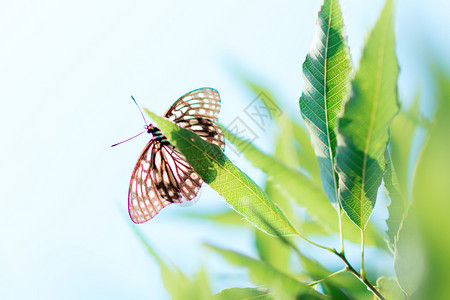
pixel 67 69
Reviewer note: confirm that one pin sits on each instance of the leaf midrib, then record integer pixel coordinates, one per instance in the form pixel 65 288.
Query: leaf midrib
pixel 238 179
pixel 372 118
pixel 325 74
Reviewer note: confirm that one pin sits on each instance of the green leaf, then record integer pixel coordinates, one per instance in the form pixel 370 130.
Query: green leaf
pixel 238 190
pixel 283 285
pixel 199 289
pixel 389 288
pixel 285 149
pixel 409 255
pixel 272 251
pixel 305 152
pixel 430 194
pixel 284 152
pixel 243 294
pixel 228 217
pixel 293 183
pixel 397 171
pixel 402 130
pixel 287 131
pixel 351 285
pixel 327 73
pixel 265 97
pixel 173 279
pixel 352 233
pixel 363 128
pixel 316 272
pixel 398 205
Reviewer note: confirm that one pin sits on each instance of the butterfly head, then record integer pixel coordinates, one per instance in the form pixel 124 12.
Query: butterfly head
pixel 151 129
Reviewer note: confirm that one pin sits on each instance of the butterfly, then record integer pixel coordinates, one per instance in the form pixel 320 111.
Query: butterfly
pixel 162 175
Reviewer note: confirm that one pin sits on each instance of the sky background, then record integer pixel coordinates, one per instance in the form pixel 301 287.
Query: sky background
pixel 67 70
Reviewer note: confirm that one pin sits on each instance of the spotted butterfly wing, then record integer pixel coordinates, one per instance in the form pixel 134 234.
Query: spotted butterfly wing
pixel 162 175
pixel 197 111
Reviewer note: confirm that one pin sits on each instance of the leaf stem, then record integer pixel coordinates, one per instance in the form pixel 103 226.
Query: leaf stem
pixel 315 244
pixel 341 232
pixel 361 277
pixel 331 275
pixel 363 272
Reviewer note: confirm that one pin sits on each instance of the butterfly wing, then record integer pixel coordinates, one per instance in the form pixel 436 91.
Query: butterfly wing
pixel 178 177
pixel 162 175
pixel 159 178
pixel 197 111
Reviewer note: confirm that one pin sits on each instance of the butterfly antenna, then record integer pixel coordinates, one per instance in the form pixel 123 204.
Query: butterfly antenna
pixel 139 110
pixel 128 139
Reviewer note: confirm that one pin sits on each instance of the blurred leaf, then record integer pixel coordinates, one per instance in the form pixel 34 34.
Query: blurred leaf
pixel 409 255
pixel 351 232
pixel 311 227
pixel 284 152
pixel 243 294
pixel 352 286
pixel 316 272
pixel 334 292
pixel 295 184
pixel 363 128
pixel 238 190
pixel 397 171
pixel 389 288
pixel 303 191
pixel 327 73
pixel 283 285
pixel 430 194
pixel 313 269
pixel 287 131
pixel 306 157
pixel 228 217
pixel 272 251
pixel 402 130
pixel 284 145
pixel 175 282
pixel 264 96
pixel 200 287
pixel 397 207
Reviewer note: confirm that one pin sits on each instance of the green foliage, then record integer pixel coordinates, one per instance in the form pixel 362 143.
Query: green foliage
pixel 363 128
pixel 243 294
pixel 292 137
pixel 175 282
pixel 430 195
pixel 408 258
pixel 305 152
pixel 402 130
pixel 345 154
pixel 227 217
pixel 285 182
pixel 295 184
pixel 283 285
pixel 239 190
pixel 398 205
pixel 395 177
pixel 390 289
pixel 272 251
pixel 327 72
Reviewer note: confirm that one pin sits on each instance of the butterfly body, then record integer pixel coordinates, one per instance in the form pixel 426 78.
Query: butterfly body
pixel 156 134
pixel 162 175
